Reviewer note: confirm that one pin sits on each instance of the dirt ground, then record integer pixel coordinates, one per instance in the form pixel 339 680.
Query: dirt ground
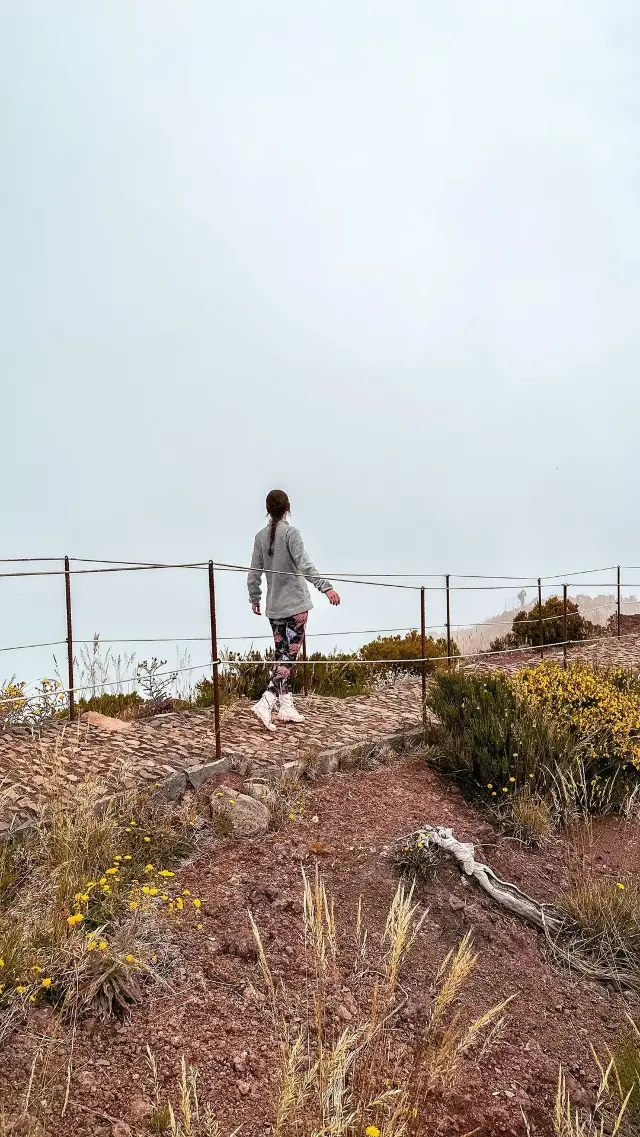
pixel 216 1018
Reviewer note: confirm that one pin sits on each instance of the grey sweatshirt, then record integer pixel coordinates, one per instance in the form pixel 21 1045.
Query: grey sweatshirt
pixel 286 595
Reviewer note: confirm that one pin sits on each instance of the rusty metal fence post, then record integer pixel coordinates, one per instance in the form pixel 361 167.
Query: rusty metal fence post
pixel 564 624
pixel 541 630
pixel 619 601
pixel 448 624
pixel 214 659
pixel 67 592
pixel 423 665
pixel 305 688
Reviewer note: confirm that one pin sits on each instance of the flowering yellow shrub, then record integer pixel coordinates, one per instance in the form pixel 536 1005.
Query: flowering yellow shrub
pixel 12 703
pixel 602 707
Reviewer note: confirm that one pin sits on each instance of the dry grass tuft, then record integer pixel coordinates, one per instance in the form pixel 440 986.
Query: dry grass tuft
pixel 185 1116
pixel 606 916
pixel 531 818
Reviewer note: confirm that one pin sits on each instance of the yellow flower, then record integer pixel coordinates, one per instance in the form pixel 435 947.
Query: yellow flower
pixel 516 754
pixel 372 1131
pixel 36 969
pixel 505 789
pixel 129 959
pixel 186 892
pixel 128 857
pixel 512 779
pixel 73 920
pixel 112 871
pixel 46 983
pixel 179 904
pixel 1 963
pixel 118 858
pixel 21 990
pixel 92 945
pixel 196 903
pixel 165 872
pixel 103 880
pixel 103 945
pixel 618 885
pixel 490 786
pixel 146 838
pixel 153 892
pixel 133 905
pixel 494 794
pixel 148 868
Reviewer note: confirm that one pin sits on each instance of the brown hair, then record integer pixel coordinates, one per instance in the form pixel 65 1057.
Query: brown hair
pixel 278 505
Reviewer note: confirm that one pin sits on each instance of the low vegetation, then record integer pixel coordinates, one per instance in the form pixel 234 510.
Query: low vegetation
pixel 80 898
pixel 117 686
pixel 546 625
pixel 607 915
pixel 543 746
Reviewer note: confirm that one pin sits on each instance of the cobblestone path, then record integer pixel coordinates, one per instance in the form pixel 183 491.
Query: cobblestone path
pixel 149 750
pixel 144 752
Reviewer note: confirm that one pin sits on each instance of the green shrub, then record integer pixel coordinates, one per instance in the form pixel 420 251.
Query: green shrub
pixel 489 739
pixel 122 706
pixel 407 647
pixel 525 630
pixel 247 675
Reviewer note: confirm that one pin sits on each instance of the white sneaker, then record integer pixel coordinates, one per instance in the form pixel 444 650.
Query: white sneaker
pixel 262 709
pixel 287 711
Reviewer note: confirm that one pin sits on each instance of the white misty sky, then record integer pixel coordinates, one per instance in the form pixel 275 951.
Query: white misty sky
pixel 382 255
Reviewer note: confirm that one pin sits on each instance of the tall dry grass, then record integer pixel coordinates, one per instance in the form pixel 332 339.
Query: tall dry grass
pixel 367 1076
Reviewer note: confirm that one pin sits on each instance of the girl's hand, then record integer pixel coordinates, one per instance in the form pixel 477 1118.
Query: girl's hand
pixel 332 596
pixel 255 608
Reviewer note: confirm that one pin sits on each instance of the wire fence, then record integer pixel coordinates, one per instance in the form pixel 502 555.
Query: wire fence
pixel 214 663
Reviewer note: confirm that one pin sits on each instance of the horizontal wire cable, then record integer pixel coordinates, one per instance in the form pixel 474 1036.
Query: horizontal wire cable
pixel 328 662
pixel 227 567
pixel 522 579
pixel 25 647
pixel 28 560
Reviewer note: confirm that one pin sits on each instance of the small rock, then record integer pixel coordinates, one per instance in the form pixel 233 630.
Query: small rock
pixel 244 1088
pixel 455 903
pixel 120 1129
pixel 140 1108
pixel 344 1014
pixel 198 775
pixel 173 787
pixel 106 722
pixel 253 997
pixel 250 817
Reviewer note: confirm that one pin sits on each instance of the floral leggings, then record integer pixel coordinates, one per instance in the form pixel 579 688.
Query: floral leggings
pixel 288 635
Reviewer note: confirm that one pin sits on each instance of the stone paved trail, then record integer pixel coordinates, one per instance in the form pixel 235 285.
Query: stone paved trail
pixel 144 752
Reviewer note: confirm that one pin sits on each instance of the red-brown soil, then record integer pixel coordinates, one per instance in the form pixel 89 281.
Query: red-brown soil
pixel 213 1018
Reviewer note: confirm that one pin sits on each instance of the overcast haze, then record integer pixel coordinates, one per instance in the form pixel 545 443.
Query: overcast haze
pixel 384 255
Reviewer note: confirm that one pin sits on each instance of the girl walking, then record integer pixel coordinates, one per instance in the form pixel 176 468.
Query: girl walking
pixel 279 552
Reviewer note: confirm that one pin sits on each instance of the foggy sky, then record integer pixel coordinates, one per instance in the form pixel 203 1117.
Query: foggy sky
pixel 384 255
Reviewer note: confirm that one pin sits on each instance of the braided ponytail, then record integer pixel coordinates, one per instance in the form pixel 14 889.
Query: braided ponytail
pixel 278 506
